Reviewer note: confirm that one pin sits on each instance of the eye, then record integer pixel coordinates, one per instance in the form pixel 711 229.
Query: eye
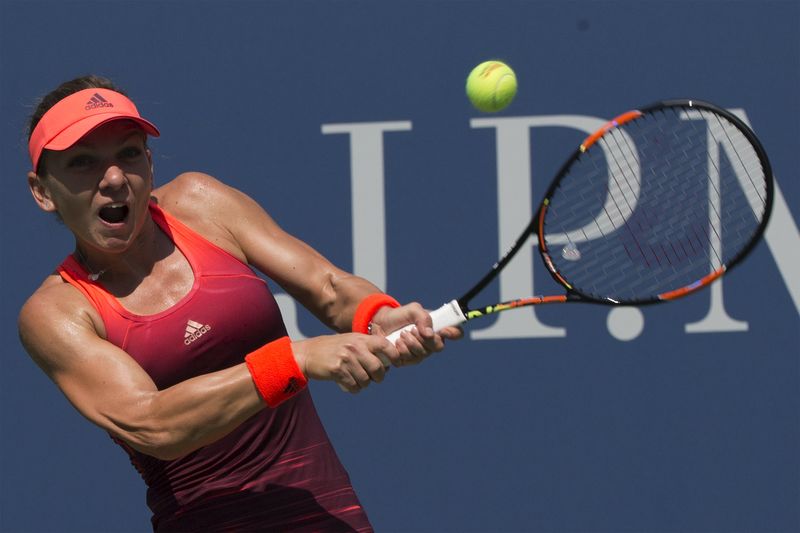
pixel 81 161
pixel 130 152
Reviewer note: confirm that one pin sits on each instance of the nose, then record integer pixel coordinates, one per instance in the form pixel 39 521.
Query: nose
pixel 113 178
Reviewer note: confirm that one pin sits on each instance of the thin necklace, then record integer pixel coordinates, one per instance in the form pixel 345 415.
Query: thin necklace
pixel 92 275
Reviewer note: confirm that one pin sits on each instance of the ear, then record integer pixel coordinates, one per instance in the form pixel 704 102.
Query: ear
pixel 41 193
pixel 150 160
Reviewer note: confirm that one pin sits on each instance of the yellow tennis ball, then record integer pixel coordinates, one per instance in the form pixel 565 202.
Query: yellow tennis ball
pixel 491 86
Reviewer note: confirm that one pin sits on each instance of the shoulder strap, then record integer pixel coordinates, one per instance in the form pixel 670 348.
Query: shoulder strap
pixel 73 273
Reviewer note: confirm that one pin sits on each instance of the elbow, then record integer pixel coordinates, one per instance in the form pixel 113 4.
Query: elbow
pixel 151 436
pixel 332 301
pixel 158 444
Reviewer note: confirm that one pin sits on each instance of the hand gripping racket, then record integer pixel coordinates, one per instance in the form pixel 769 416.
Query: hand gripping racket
pixel 655 205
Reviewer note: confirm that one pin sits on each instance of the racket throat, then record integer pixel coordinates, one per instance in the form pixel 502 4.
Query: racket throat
pixel 520 302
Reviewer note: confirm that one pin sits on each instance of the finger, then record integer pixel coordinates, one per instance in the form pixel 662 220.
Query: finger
pixel 452 332
pixel 378 331
pixel 367 365
pixel 437 343
pixel 349 373
pixel 402 351
pixel 415 343
pixel 412 313
pixel 428 343
pixel 360 375
pixel 374 366
pixel 387 352
pixel 348 384
pixel 415 352
pixel 424 326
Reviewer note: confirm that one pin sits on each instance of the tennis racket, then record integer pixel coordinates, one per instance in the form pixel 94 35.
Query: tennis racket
pixel 655 205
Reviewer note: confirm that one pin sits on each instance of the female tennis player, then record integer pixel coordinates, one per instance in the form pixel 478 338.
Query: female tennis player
pixel 157 329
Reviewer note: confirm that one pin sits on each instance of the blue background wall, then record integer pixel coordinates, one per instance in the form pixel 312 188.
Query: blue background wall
pixel 670 431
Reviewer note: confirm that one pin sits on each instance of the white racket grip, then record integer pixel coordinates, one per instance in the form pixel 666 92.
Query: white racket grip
pixel 449 314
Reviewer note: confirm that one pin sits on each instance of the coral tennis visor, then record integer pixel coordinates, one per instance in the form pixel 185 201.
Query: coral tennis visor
pixel 71 118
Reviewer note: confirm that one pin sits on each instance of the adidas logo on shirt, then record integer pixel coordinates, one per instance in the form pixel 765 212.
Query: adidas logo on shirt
pixel 194 330
pixel 97 101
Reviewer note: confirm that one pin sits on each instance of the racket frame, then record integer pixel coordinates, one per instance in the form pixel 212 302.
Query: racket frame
pixel 536 224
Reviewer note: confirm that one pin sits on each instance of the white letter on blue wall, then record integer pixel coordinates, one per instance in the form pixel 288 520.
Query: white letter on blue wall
pixel 368 205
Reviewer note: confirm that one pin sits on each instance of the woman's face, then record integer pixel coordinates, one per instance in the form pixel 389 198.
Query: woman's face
pixel 100 187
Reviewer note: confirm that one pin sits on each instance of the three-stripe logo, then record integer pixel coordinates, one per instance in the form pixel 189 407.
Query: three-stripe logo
pixel 194 330
pixel 97 101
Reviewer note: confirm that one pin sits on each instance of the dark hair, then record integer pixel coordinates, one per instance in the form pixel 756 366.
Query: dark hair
pixel 62 91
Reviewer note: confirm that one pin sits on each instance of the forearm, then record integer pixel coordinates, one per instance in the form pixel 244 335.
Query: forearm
pixel 342 294
pixel 173 422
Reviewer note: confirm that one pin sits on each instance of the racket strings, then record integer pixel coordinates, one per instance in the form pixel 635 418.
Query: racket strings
pixel 655 205
pixel 753 165
pixel 627 166
pixel 737 230
pixel 714 193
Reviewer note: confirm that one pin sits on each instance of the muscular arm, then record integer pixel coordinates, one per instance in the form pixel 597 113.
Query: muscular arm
pixel 110 389
pixel 330 293
pixel 247 231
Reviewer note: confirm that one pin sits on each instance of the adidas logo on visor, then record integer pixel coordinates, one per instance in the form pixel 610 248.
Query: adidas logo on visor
pixel 194 330
pixel 97 101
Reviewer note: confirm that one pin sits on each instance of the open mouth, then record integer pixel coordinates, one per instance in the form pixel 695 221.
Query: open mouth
pixel 114 213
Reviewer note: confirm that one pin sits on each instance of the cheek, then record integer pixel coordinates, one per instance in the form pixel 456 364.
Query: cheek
pixel 69 211
pixel 144 172
pixel 69 205
pixel 148 181
pixel 74 217
pixel 58 200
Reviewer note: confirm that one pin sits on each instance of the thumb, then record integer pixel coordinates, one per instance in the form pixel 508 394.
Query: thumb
pixel 378 331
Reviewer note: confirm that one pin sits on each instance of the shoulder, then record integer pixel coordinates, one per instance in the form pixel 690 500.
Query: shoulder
pixel 54 298
pixel 190 190
pixel 55 309
pixel 207 205
pixel 196 195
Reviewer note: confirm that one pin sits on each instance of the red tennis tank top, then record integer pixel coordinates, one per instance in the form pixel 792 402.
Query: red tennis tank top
pixel 277 470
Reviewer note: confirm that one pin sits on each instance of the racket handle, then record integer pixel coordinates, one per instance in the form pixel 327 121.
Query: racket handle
pixel 449 314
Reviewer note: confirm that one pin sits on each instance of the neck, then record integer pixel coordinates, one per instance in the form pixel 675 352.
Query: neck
pixel 133 263
pixel 81 257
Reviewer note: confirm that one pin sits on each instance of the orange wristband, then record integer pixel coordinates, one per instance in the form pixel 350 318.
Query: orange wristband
pixel 367 309
pixel 275 372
